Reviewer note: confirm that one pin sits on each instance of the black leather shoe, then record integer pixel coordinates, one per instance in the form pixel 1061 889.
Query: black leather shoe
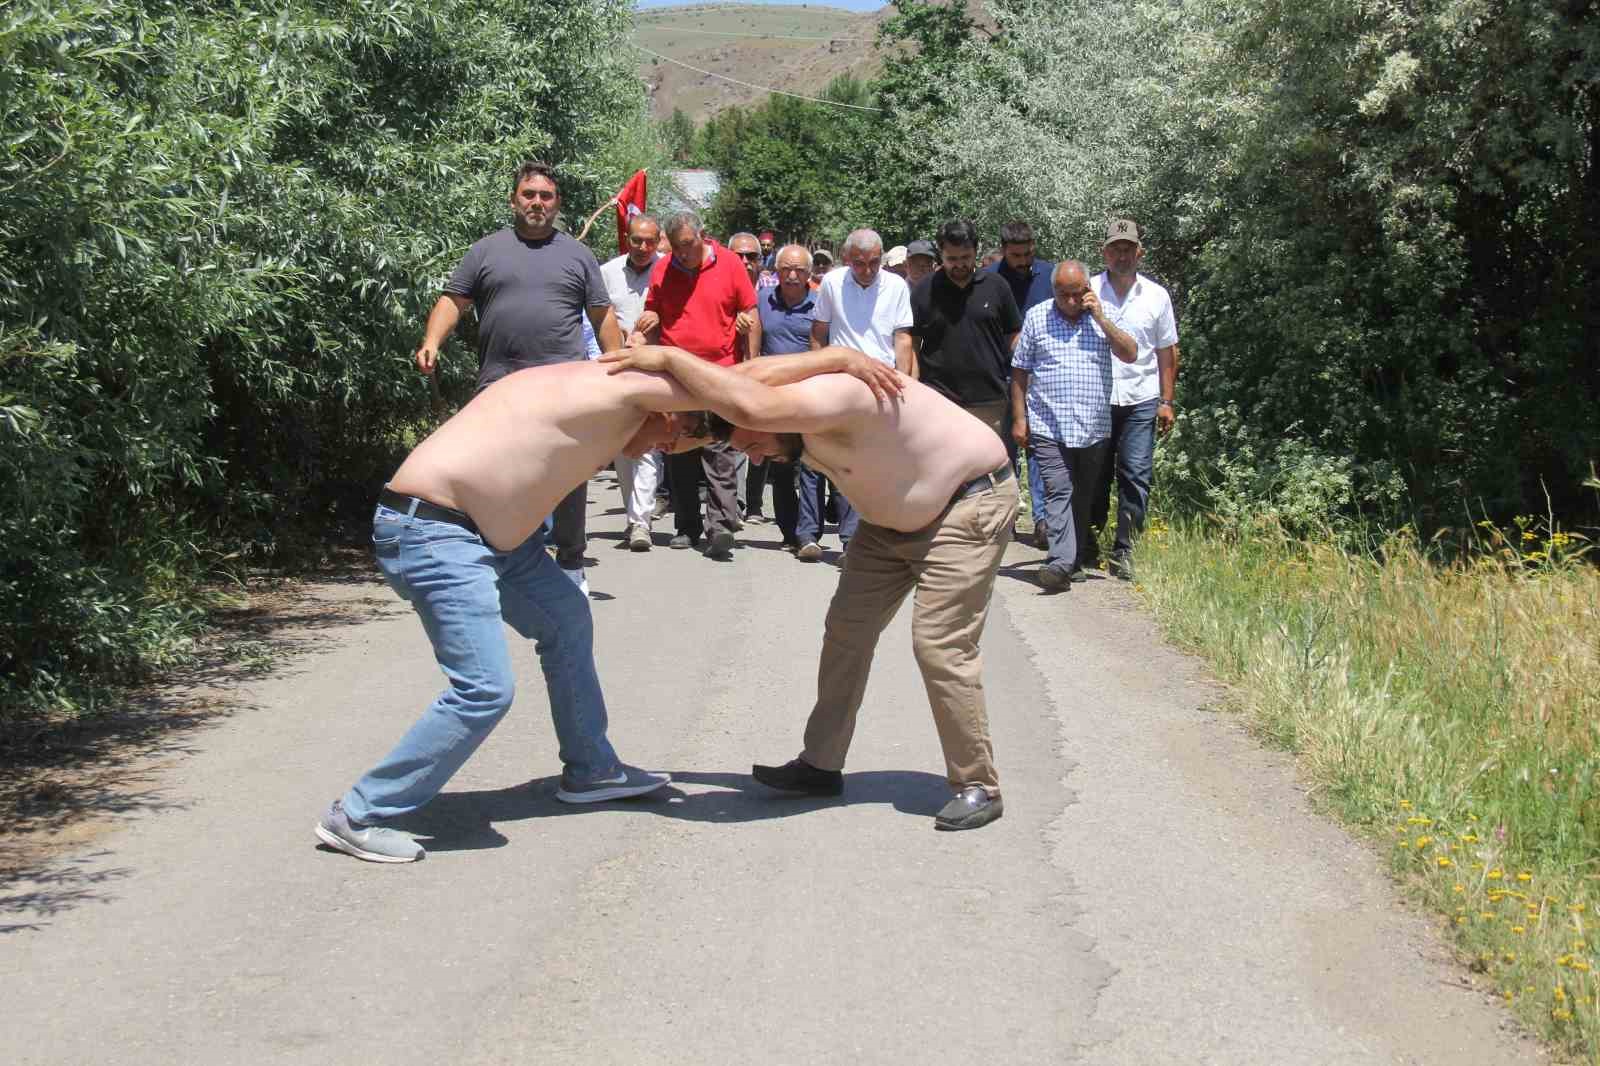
pixel 797 775
pixel 972 808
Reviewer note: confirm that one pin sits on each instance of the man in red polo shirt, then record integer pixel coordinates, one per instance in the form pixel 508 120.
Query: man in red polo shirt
pixel 695 297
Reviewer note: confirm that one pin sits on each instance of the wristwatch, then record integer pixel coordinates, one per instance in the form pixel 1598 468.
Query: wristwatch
pixel 1167 403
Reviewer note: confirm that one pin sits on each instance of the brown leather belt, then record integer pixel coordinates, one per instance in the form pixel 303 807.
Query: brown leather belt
pixel 411 505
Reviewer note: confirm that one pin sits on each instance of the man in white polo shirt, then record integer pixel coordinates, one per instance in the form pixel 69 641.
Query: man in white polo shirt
pixel 1141 391
pixel 862 306
pixel 627 279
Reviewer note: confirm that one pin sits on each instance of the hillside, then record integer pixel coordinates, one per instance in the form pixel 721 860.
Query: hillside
pixel 710 36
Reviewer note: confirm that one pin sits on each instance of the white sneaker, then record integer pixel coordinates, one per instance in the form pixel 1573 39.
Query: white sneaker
pixel 577 578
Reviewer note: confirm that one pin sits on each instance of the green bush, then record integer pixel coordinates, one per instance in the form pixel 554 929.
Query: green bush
pixel 221 226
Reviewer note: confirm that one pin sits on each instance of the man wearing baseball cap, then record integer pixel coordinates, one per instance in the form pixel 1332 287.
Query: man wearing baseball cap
pixel 894 260
pixel 922 259
pixel 1141 391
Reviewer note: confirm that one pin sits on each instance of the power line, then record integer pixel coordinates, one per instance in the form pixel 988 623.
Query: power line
pixel 752 85
pixel 763 36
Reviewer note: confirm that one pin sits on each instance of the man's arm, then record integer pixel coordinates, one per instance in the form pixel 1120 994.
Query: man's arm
pixel 1123 346
pixel 604 319
pixel 905 356
pixel 819 334
pixel 1167 372
pixel 681 382
pixel 776 370
pixel 1019 407
pixel 441 320
pixel 752 337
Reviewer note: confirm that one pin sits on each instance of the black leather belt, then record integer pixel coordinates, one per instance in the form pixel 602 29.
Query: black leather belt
pixel 984 482
pixel 411 505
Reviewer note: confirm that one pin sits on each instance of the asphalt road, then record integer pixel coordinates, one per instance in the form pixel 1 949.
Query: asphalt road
pixel 1157 892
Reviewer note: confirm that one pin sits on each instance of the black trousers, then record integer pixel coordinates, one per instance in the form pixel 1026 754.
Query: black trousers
pixel 570 532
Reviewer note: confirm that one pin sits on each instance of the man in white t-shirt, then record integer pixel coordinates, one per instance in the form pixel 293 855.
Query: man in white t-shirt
pixel 1141 391
pixel 627 280
pixel 862 306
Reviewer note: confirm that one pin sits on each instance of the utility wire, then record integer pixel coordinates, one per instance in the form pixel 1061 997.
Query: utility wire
pixel 752 85
pixel 763 36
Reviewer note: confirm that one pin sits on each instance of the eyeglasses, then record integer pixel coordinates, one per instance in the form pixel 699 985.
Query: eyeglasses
pixel 748 255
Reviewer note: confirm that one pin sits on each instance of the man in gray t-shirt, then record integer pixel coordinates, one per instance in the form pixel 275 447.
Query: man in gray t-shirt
pixel 531 286
pixel 531 296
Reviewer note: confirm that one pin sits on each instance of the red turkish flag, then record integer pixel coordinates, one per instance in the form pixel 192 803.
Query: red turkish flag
pixel 630 202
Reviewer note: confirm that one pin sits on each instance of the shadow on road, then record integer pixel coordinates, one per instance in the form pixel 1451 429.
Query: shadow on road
pixel 464 821
pixel 52 888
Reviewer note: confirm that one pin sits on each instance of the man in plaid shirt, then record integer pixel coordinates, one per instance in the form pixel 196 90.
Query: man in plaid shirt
pixel 1061 409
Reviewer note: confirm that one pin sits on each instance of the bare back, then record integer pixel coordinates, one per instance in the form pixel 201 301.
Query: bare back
pixel 899 464
pixel 522 444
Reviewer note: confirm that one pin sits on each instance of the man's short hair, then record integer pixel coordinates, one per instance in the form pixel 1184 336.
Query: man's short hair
pixel 1067 265
pixel 958 233
pixel 678 220
pixel 861 240
pixel 643 216
pixel 779 254
pixel 531 169
pixel 742 233
pixel 719 428
pixel 1016 233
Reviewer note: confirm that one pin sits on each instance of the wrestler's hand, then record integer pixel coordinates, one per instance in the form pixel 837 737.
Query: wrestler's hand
pixel 883 379
pixel 651 357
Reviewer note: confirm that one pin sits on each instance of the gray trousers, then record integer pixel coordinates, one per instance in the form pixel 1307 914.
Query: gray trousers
pixel 1070 477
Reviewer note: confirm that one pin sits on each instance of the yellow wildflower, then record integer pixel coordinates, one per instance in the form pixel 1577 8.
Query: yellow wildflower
pixel 1524 877
pixel 1519 929
pixel 1495 874
pixel 1445 862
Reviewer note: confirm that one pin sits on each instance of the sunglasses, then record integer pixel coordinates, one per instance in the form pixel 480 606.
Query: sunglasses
pixel 748 255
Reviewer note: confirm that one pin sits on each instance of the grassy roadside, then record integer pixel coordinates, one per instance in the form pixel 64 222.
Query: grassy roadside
pixel 1451 711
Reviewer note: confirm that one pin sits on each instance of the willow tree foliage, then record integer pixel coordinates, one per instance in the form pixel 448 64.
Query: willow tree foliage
pixel 220 227
pixel 1378 218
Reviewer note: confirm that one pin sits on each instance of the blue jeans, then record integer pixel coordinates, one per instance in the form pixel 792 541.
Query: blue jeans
pixel 808 524
pixel 1132 463
pixel 462 589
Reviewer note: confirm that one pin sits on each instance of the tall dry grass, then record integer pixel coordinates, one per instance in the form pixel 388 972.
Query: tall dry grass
pixel 1450 707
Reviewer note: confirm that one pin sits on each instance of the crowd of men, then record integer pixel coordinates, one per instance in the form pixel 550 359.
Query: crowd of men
pixel 797 368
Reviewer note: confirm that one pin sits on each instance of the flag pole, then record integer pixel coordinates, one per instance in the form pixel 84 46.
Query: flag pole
pixel 609 203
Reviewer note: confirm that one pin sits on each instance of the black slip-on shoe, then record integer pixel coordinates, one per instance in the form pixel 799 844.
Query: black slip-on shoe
pixel 971 808
pixel 1122 567
pixel 797 775
pixel 1078 575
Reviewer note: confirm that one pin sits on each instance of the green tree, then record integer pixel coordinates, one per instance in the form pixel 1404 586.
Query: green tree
pixel 220 229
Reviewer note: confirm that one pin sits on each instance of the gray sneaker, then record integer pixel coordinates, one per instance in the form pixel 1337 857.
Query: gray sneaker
pixel 639 538
pixel 371 842
pixel 628 781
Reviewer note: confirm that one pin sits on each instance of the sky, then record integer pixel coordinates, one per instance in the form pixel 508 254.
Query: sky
pixel 849 5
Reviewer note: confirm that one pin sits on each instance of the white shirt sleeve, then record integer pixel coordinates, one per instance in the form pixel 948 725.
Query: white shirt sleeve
pixel 902 311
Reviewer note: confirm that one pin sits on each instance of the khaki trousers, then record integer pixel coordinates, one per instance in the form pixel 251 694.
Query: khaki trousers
pixel 950 564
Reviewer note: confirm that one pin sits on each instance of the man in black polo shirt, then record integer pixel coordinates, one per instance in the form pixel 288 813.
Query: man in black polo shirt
pixel 965 323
